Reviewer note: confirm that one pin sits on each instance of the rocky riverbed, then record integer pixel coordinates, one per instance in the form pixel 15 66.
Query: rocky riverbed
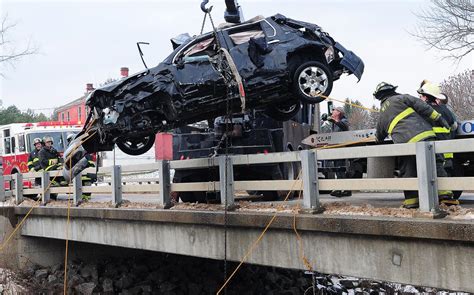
pixel 157 273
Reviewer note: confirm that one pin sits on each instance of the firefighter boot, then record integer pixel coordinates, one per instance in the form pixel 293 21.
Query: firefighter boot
pixel 447 198
pixel 412 203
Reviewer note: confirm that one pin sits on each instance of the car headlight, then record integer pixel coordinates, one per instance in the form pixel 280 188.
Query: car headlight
pixel 329 54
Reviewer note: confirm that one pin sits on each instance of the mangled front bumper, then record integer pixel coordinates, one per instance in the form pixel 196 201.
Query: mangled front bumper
pixel 75 160
pixel 350 61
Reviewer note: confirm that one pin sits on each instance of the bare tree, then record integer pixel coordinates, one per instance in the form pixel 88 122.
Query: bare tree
pixel 460 92
pixel 358 117
pixel 447 25
pixel 9 53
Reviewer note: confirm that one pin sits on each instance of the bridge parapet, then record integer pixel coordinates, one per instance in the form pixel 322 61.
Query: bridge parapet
pixel 427 182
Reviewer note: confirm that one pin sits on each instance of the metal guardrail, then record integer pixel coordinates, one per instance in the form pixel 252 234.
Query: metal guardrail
pixel 427 183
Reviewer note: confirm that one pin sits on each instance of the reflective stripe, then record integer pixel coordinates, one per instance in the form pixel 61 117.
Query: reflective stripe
pixel 422 136
pixel 49 167
pixel 29 163
pixel 399 117
pixel 434 115
pixel 36 159
pixel 441 130
pixel 448 155
pixel 411 201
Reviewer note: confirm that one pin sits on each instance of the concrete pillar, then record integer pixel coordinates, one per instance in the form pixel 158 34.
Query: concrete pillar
pixel 382 167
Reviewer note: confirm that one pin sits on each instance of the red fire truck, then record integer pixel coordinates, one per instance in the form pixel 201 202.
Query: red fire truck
pixel 16 141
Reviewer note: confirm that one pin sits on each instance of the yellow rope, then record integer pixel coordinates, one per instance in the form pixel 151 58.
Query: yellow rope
pixel 66 252
pixel 257 241
pixel 349 103
pixel 2 246
pixel 18 226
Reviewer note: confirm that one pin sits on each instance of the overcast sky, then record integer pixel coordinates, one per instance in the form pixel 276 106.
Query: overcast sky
pixel 88 41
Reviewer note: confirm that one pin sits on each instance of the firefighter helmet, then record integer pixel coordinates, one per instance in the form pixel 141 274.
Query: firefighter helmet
pixel 383 87
pixel 37 140
pixel 431 89
pixel 48 138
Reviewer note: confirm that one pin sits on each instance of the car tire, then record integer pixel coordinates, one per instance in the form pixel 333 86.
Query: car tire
pixel 136 146
pixel 312 82
pixel 283 111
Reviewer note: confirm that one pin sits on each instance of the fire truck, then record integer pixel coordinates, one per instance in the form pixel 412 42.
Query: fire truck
pixel 16 141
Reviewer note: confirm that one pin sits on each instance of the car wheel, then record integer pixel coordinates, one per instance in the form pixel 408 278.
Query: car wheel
pixel 312 82
pixel 283 111
pixel 136 146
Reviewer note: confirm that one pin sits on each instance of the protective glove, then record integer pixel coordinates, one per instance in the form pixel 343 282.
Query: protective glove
pixel 444 123
pixel 324 117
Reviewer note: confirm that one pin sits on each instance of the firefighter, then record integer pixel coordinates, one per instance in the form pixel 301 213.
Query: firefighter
pixel 33 159
pixel 49 156
pixel 406 119
pixel 431 94
pixel 339 122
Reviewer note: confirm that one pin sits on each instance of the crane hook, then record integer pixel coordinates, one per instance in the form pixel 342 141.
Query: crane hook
pixel 203 6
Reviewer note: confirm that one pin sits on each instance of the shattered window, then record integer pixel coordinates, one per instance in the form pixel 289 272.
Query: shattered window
pixel 204 47
pixel 243 37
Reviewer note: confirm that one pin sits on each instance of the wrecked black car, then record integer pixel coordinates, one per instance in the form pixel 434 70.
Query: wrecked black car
pixel 273 63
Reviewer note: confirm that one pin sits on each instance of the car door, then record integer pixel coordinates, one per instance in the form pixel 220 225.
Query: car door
pixel 253 48
pixel 200 87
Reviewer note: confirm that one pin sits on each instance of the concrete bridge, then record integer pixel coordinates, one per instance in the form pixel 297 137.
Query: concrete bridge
pixel 422 249
pixel 418 251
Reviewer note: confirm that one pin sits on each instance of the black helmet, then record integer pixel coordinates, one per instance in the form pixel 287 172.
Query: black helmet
pixel 383 88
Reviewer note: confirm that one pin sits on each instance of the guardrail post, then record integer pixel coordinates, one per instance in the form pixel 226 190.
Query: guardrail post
pixel 226 181
pixel 116 185
pixel 77 189
pixel 427 178
pixel 165 183
pixel 18 186
pixel 309 169
pixel 2 187
pixel 45 185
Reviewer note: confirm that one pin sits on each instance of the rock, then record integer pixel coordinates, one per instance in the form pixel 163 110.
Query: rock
pixel 74 281
pixel 89 271
pixel 52 279
pixel 56 268
pixel 349 283
pixel 41 274
pixel 108 286
pixel 86 288
pixel 124 282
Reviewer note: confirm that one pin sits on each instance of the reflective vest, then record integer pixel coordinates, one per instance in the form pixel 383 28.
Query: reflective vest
pixel 406 119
